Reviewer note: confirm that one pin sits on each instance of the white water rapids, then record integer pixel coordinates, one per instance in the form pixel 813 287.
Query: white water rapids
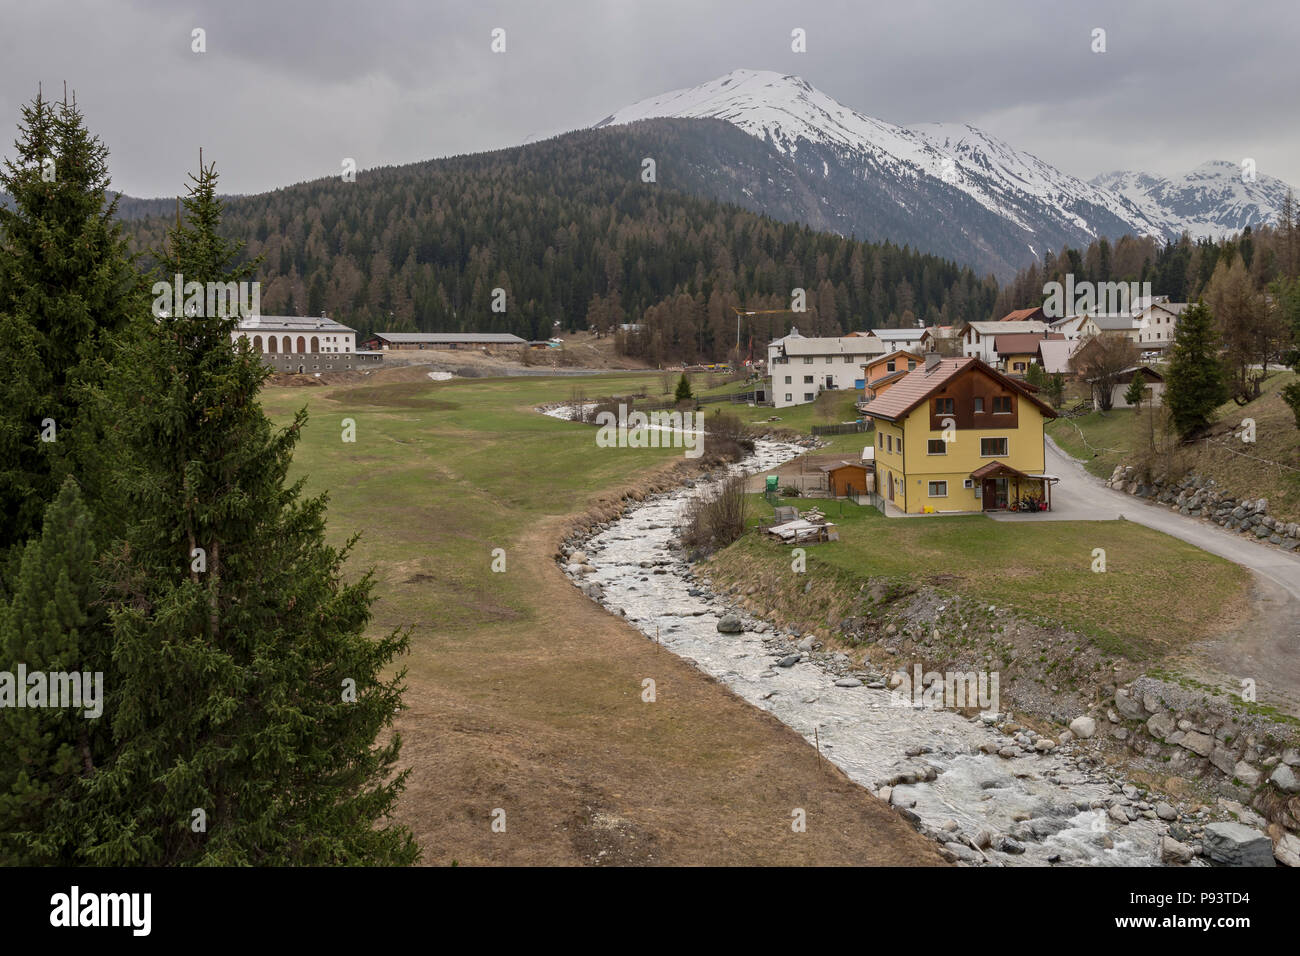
pixel 1043 801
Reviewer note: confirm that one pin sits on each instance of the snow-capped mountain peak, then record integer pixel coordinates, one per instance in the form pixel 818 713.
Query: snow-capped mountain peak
pixel 936 174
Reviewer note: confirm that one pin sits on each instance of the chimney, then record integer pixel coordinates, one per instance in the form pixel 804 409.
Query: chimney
pixel 931 360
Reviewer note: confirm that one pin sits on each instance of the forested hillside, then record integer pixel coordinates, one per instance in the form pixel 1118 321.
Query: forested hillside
pixel 572 233
pixel 1181 270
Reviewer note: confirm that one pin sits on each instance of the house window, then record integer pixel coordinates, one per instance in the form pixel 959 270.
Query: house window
pixel 993 447
pixel 889 443
pixel 900 444
pixel 789 397
pixel 943 406
pixel 808 361
pixel 807 379
pixel 1001 404
pixel 889 366
pixel 910 365
pixel 938 489
pixel 936 446
pixel 1019 366
pixel 979 405
pixel 880 440
pixel 848 360
pixel 787 380
pixel 808 396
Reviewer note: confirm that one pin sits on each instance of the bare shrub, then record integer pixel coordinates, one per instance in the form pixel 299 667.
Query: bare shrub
pixel 726 437
pixel 715 521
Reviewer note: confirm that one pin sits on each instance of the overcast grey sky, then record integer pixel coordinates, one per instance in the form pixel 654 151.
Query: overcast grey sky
pixel 287 88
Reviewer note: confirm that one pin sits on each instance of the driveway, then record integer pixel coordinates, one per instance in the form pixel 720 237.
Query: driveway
pixel 1266 648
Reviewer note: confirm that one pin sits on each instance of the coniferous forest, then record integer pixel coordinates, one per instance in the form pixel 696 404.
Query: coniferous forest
pixel 149 535
pixel 574 235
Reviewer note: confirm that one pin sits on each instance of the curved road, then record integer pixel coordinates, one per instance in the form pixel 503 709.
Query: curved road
pixel 1267 648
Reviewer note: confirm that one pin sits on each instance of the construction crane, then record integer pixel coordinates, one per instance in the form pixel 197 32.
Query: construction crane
pixel 741 312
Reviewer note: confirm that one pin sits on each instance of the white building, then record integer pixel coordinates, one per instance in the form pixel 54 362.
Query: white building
pixel 292 343
pixel 1157 323
pixel 916 341
pixel 978 338
pixel 802 367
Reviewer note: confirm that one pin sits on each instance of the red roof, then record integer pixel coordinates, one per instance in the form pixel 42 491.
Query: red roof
pixel 1022 315
pixel 920 383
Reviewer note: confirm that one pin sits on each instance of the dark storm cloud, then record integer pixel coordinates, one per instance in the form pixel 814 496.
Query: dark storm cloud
pixel 286 90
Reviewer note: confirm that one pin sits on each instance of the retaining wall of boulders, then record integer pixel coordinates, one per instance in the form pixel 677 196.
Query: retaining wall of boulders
pixel 1198 497
pixel 1249 760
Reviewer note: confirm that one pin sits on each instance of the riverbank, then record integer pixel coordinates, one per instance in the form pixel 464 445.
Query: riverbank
pixel 522 695
pixel 994 789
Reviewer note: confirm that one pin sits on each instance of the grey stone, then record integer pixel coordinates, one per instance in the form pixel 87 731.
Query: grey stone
pixel 1199 744
pixel 1223 759
pixel 1010 845
pixel 1160 726
pixel 1235 844
pixel 730 624
pixel 1286 849
pixel 1165 812
pixel 1284 778
pixel 1246 773
pixel 1129 708
pixel 1083 727
pixel 1171 851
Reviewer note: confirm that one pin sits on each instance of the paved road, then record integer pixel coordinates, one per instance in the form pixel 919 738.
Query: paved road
pixel 1266 648
pixel 1079 496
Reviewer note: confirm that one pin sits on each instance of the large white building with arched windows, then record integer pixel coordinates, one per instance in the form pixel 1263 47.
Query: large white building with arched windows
pixel 290 343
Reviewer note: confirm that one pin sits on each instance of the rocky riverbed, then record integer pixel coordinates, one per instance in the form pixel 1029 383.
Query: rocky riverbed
pixel 989 790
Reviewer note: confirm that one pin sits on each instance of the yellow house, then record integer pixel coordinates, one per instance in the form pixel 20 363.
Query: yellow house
pixel 955 434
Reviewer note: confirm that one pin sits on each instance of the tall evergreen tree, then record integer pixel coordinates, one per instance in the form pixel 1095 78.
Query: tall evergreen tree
pixel 49 625
pixel 1194 385
pixel 245 697
pixel 1137 390
pixel 66 285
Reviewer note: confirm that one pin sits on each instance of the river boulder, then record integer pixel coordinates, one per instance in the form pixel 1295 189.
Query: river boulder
pixel 1235 844
pixel 730 624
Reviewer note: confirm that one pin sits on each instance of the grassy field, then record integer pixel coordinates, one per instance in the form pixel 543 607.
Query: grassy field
pixel 1044 571
pixel 802 418
pixel 1104 440
pixel 522 694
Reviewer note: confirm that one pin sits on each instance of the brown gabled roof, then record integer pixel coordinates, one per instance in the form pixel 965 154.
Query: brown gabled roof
pixel 1021 343
pixel 889 377
pixel 1021 315
pixel 920 383
pixel 997 469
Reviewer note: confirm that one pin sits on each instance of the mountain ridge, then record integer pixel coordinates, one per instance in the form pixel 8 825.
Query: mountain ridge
pixel 922 167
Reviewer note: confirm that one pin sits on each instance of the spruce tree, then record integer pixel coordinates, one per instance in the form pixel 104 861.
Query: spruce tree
pixel 1194 386
pixel 683 393
pixel 50 624
pixel 66 285
pixel 245 696
pixel 1137 390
